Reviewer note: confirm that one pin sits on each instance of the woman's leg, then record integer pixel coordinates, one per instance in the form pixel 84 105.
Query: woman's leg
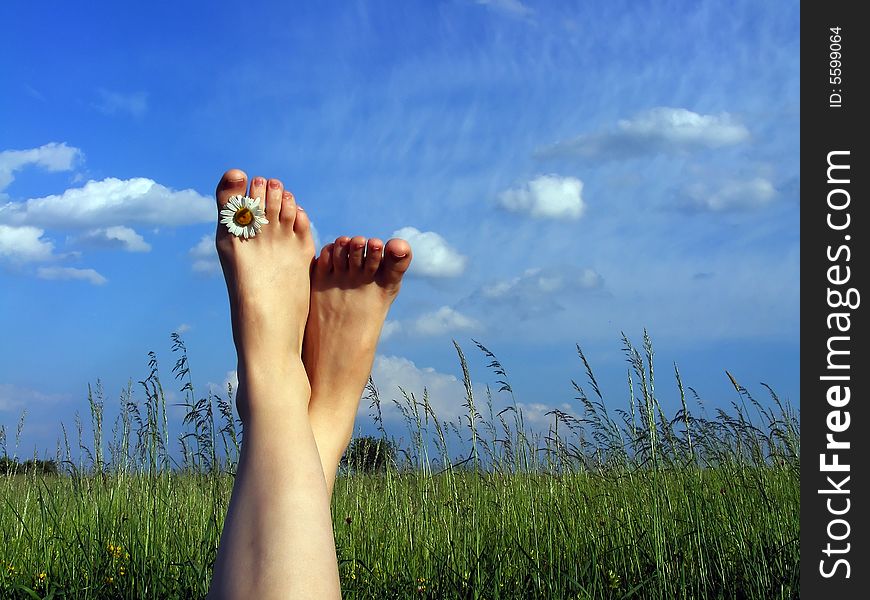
pixel 353 284
pixel 277 539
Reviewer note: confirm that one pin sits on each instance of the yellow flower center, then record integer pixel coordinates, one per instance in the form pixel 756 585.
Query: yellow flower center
pixel 243 216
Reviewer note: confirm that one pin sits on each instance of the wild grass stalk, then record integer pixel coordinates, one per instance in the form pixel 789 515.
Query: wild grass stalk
pixel 614 502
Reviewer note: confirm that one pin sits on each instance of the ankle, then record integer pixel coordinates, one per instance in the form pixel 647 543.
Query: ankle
pixel 273 390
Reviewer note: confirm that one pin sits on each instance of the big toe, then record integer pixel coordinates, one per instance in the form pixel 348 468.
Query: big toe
pixel 397 259
pixel 233 183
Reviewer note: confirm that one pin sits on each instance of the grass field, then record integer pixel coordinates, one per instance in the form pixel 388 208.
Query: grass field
pixel 618 502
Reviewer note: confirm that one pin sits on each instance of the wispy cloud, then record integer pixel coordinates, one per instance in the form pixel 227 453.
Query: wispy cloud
pixel 733 195
pixel 438 322
pixel 441 321
pixel 15 397
pixel 231 381
pixel 537 282
pixel 72 274
pixel 51 157
pixel 537 292
pixel 514 8
pixel 205 258
pixel 661 130
pixel 114 103
pixel 539 415
pixel 33 92
pixel 433 256
pixel 117 236
pixel 390 329
pixel 547 197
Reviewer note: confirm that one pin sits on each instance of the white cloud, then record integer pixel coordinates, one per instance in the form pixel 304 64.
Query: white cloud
pixel 511 7
pixel 24 244
pixel 731 196
pixel 183 328
pixel 547 196
pixel 71 273
pixel 113 103
pixel 684 127
pixel 118 236
pixel 112 202
pixel 441 321
pixel 433 256
pixel 446 392
pixel 390 329
pixel 230 379
pixel 658 130
pixel 535 414
pixel 51 157
pixel 205 258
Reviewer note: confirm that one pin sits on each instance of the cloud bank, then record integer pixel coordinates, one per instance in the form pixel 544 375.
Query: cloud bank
pixel 112 202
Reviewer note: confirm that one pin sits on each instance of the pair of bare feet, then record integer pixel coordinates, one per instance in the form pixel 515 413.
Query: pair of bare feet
pixel 305 332
pixel 288 313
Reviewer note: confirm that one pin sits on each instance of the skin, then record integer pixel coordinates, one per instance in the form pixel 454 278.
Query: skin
pixel 298 416
pixel 353 284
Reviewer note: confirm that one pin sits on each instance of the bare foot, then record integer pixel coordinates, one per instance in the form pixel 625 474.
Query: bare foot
pixel 268 283
pixel 277 539
pixel 353 283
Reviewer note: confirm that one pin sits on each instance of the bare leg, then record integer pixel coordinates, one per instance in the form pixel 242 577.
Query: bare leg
pixel 277 539
pixel 353 284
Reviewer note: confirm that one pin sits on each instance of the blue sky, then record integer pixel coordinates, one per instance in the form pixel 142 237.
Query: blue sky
pixel 564 171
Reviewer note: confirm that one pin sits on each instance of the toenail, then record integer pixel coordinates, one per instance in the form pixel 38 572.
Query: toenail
pixel 359 246
pixel 300 208
pixel 259 181
pixel 273 184
pixel 400 255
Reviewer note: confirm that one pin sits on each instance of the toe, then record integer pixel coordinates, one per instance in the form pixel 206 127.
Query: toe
pixel 324 261
pixel 233 183
pixel 374 255
pixel 339 253
pixel 355 257
pixel 258 189
pixel 302 224
pixel 288 208
pixel 397 259
pixel 274 197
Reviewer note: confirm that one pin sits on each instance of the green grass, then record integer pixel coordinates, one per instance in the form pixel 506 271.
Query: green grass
pixel 616 502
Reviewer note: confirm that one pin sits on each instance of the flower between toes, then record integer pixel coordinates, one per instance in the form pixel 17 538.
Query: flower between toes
pixel 243 216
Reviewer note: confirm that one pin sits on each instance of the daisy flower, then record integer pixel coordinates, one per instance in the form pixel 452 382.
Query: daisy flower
pixel 243 216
